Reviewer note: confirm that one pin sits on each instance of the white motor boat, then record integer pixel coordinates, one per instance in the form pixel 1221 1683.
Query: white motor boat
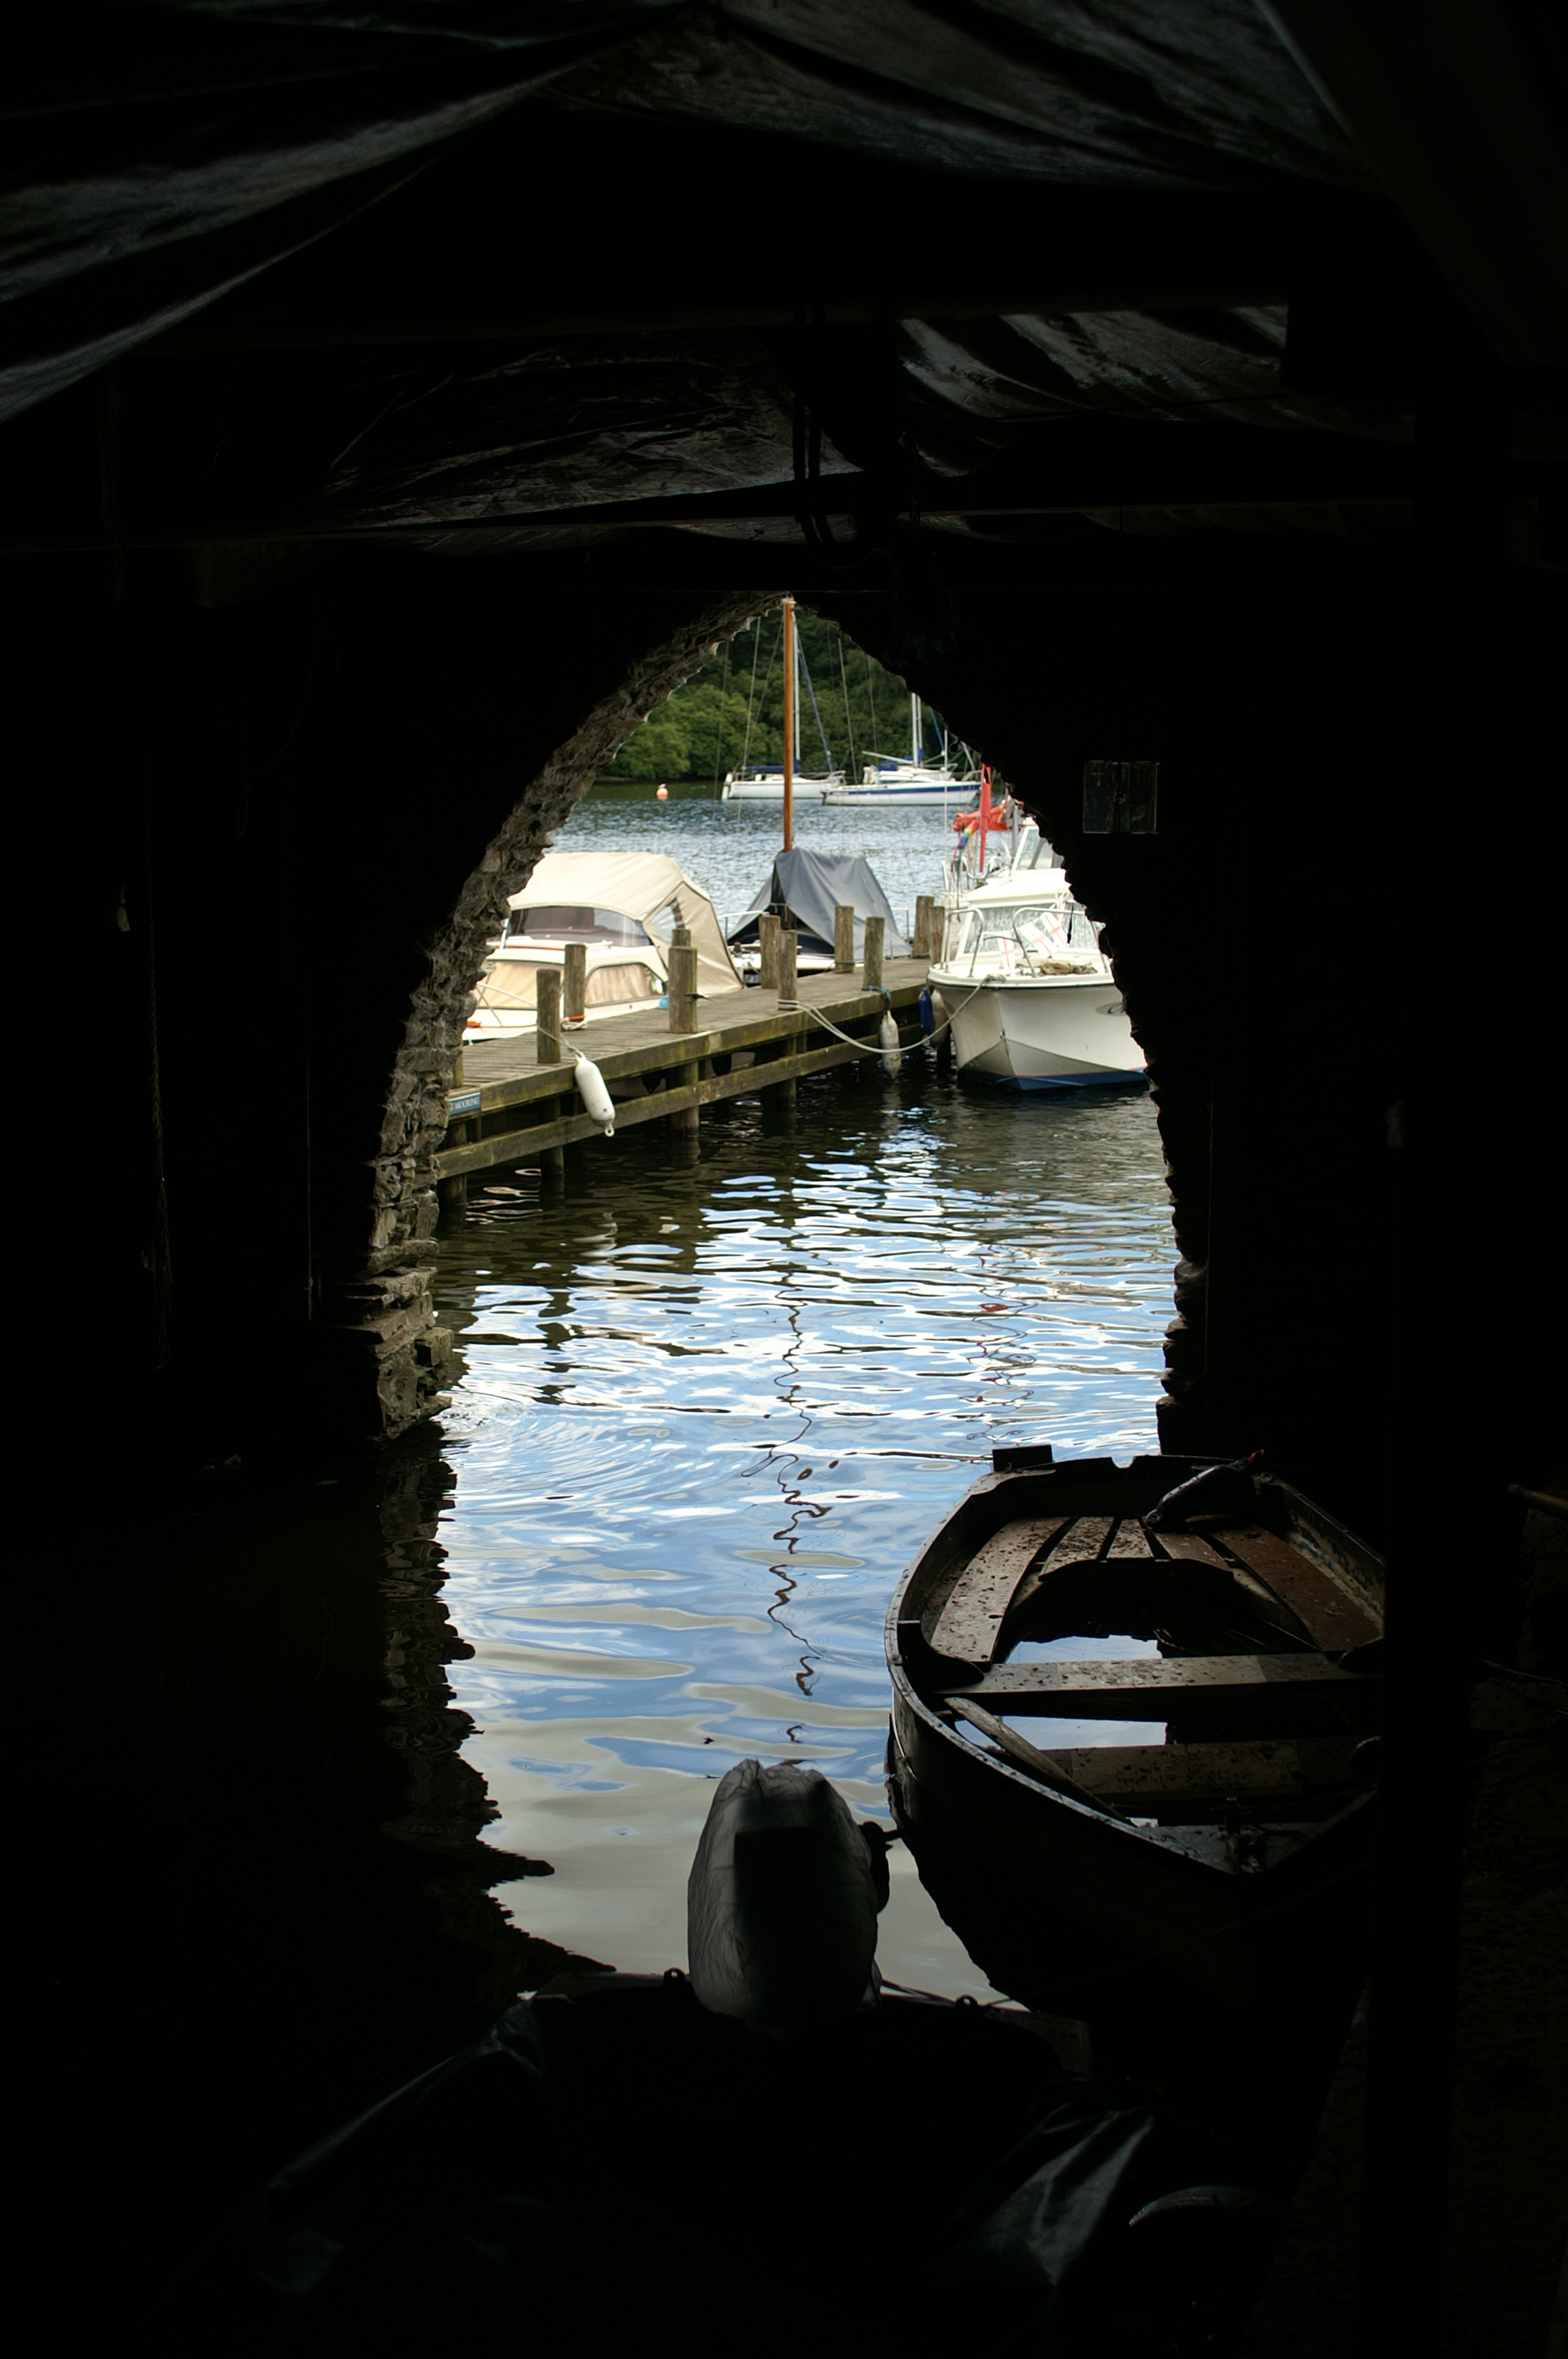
pixel 621 906
pixel 1030 992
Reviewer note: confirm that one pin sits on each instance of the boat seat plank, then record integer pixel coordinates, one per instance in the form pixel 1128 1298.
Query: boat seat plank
pixel 976 1606
pixel 1130 1539
pixel 1141 1687
pixel 1332 1617
pixel 1281 1769
pixel 1080 1543
pixel 1191 1548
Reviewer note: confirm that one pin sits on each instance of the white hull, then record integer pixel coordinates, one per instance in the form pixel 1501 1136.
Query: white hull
pixel 769 791
pixel 951 797
pixel 1045 1032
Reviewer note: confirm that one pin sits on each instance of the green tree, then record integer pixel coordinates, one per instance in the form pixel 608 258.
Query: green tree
pixel 661 748
pixel 730 713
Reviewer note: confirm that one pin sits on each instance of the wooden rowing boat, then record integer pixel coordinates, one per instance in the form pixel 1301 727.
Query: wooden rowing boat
pixel 1222 1836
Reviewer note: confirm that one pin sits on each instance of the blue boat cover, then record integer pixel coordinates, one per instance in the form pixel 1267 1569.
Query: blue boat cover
pixel 810 886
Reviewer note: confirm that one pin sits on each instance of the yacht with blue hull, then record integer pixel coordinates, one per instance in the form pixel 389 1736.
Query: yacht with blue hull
pixel 1029 991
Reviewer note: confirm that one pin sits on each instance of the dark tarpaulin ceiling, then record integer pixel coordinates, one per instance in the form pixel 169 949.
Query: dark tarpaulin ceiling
pixel 168 158
pixel 562 428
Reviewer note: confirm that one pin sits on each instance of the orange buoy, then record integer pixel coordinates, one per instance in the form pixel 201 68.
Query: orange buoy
pixel 663 796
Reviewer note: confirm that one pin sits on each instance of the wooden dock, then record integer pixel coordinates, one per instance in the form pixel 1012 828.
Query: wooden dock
pixel 509 1108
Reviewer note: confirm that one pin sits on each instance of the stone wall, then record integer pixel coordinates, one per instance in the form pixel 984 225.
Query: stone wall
pixel 277 833
pixel 1345 911
pixel 386 1308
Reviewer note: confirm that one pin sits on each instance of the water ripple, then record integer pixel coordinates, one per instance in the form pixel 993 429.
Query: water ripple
pixel 707 1412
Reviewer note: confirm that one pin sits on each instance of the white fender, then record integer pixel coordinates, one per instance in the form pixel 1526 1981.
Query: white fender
pixel 782 1901
pixel 596 1101
pixel 887 1040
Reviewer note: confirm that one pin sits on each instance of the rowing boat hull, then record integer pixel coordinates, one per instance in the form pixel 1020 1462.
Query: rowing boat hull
pixel 1055 1896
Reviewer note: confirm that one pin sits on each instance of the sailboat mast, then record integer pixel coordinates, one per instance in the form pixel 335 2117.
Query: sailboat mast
pixel 790 721
pixel 801 678
pixel 915 731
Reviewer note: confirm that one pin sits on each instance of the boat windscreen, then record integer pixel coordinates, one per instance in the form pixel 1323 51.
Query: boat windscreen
pixel 559 922
pixel 1057 928
pixel 513 983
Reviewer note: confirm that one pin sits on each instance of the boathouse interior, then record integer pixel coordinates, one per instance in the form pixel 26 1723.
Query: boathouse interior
pixel 399 404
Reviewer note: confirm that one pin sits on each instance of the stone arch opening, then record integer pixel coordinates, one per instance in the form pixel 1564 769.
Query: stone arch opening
pixel 1250 428
pixel 405 1208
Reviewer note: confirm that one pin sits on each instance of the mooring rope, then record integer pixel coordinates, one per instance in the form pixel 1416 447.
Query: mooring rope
pixel 816 1013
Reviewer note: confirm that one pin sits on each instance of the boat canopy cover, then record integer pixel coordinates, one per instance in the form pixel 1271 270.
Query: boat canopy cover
pixel 811 885
pixel 1017 2214
pixel 640 885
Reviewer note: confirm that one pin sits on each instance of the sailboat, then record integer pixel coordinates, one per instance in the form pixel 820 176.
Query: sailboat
pixel 890 783
pixel 765 783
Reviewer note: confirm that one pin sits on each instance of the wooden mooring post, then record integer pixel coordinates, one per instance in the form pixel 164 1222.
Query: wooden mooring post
pixel 783 1093
pixel 769 929
pixel 843 940
pixel 924 943
pixel 574 982
pixel 681 991
pixel 876 931
pixel 682 995
pixel 547 1051
pixel 547 1016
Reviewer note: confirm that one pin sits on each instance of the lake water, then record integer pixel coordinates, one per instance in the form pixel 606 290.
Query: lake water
pixel 713 1395
pixel 728 848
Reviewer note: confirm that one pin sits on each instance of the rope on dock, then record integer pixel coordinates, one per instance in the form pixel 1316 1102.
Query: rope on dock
pixel 867 1050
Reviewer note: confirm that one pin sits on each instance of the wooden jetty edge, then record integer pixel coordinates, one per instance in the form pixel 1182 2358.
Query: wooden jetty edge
pixel 510 1107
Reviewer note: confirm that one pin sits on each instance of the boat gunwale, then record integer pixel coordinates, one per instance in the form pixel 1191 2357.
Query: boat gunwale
pixel 1185 1850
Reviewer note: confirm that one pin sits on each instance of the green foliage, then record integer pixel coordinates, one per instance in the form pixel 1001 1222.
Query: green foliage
pixel 662 748
pixel 701 732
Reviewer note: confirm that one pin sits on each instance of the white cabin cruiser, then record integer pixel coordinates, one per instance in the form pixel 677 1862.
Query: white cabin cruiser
pixel 1029 991
pixel 621 906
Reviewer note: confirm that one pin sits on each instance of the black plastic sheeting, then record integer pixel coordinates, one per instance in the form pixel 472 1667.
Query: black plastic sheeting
pixel 566 426
pixel 159 156
pixel 611 2144
pixel 810 886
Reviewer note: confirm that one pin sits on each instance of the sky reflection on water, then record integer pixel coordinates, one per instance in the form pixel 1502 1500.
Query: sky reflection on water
pixel 710 1410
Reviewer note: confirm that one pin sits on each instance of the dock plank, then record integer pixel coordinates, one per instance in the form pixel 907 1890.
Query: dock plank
pixel 787 1043
pixel 507 1072
pixel 517 1145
